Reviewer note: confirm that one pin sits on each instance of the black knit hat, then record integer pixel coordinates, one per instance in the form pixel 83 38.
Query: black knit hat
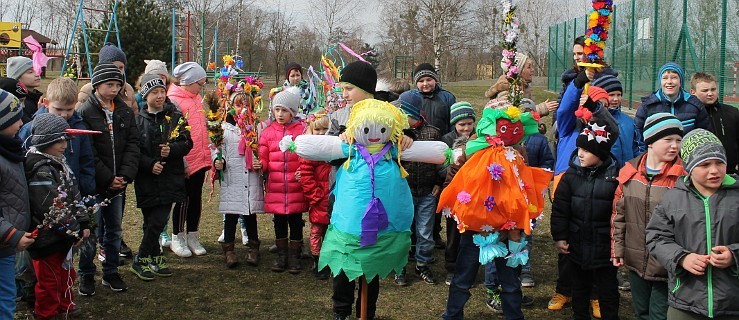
pixel 105 72
pixel 597 138
pixel 149 82
pixel 608 83
pixel 13 86
pixel 47 129
pixel 361 75
pixel 292 66
pixel 425 70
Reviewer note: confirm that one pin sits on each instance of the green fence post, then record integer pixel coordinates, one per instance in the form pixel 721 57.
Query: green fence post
pixel 655 34
pixel 722 53
pixel 612 36
pixel 633 47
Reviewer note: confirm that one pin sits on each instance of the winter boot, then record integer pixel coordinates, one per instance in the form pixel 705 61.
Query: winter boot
pixel 252 256
pixel 228 251
pixel 281 262
pixel 296 249
pixel 322 274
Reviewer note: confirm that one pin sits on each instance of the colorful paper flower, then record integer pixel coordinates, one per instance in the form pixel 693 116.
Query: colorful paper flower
pixel 510 225
pixel 489 203
pixel 486 228
pixel 510 154
pixel 464 197
pixel 496 171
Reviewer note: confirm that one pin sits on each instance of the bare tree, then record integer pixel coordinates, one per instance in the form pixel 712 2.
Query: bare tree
pixel 329 16
pixel 279 39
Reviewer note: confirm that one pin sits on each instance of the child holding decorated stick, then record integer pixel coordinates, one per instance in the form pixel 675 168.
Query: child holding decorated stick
pixel 284 195
pixel 59 222
pixel 165 140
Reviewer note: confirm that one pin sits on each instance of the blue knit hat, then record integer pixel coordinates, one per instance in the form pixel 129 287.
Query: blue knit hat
pixel 671 66
pixel 410 103
pixel 460 111
pixel 110 53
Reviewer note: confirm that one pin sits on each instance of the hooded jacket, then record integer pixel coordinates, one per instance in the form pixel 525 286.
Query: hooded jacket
pixel 191 105
pixel 687 222
pixel 114 157
pixel 169 186
pixel 725 120
pixel 581 212
pixel 628 145
pixel 78 153
pixel 635 200
pixel 436 108
pixel 314 180
pixel 242 190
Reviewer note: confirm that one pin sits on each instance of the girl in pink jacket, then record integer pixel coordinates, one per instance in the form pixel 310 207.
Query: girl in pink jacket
pixel 185 92
pixel 284 194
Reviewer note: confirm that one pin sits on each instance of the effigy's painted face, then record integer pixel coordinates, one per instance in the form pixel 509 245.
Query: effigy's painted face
pixel 509 132
pixel 369 133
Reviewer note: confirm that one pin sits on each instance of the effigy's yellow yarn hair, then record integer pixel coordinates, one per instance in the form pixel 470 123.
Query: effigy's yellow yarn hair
pixel 372 110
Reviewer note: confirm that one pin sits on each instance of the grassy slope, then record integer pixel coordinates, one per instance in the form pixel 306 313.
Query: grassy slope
pixel 202 288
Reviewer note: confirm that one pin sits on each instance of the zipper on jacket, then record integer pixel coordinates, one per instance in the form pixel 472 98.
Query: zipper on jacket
pixel 284 165
pixel 677 284
pixel 646 209
pixel 709 269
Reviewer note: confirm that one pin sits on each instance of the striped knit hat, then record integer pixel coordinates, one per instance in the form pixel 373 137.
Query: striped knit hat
pixel 660 125
pixel 460 111
pixel 10 109
pixel 608 83
pixel 105 72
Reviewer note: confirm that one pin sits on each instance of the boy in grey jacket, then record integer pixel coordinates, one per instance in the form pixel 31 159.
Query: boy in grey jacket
pixel 693 233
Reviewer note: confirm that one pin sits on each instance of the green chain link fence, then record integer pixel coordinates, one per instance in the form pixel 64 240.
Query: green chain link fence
pixel 645 34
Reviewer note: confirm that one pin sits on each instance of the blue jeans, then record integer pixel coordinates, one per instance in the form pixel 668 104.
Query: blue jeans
pixel 464 277
pixel 7 286
pixel 110 218
pixel 425 209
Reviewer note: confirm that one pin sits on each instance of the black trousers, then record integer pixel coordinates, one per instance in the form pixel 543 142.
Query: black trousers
pixel 229 227
pixel 564 278
pixel 294 221
pixel 343 296
pixel 189 211
pixel 452 245
pixel 155 218
pixel 606 286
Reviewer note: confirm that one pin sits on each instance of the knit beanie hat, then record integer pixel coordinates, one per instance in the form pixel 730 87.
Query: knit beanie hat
pixel 608 83
pixel 660 125
pixel 597 139
pixel 105 72
pixel 48 128
pixel 410 104
pixel 17 66
pixel 155 67
pixel 10 109
pixel 189 73
pixel 671 66
pixel 700 145
pixel 14 86
pixel 361 75
pixel 292 66
pixel 425 70
pixel 149 82
pixel 597 93
pixel 110 53
pixel 460 111
pixel 287 99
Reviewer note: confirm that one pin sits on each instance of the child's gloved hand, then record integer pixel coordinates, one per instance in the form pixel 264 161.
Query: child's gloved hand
pixel 562 246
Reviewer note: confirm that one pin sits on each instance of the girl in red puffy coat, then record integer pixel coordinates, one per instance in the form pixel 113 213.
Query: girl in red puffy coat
pixel 314 179
pixel 283 193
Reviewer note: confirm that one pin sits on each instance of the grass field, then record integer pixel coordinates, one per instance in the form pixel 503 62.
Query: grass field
pixel 202 288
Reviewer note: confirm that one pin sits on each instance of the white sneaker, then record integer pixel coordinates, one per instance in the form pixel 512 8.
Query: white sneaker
pixel 192 242
pixel 179 245
pixel 164 240
pixel 222 238
pixel 244 237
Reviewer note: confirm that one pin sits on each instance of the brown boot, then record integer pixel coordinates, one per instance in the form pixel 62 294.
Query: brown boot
pixel 228 251
pixel 296 249
pixel 252 257
pixel 281 262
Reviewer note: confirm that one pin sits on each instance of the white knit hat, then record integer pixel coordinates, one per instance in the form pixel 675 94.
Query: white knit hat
pixel 287 99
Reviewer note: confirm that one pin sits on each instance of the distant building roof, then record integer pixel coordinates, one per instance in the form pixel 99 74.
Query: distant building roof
pixel 39 37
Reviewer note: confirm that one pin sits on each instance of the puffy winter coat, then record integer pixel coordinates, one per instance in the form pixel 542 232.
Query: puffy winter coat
pixel 436 108
pixel 725 119
pixel 537 151
pixel 423 177
pixel 686 222
pixel 283 193
pixel 119 157
pixel 314 179
pixel 15 212
pixel 581 212
pixel 168 186
pixel 634 203
pixel 629 143
pixel 687 108
pixel 191 105
pixel 242 190
pixel 78 153
pixel 44 177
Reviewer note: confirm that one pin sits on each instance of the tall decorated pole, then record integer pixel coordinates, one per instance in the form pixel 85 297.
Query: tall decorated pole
pixel 599 22
pixel 510 38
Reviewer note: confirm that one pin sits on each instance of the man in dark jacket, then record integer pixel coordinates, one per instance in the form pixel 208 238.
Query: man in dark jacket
pixel 116 165
pixel 725 118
